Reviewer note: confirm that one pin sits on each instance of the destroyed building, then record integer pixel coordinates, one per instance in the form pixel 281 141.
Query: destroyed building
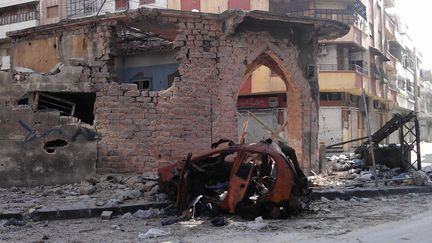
pixel 132 91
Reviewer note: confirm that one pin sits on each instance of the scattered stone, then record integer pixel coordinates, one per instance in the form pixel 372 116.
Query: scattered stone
pixel 153 233
pixel 106 215
pixel 421 178
pixel 86 188
pixel 218 221
pixel 170 220
pixel 112 179
pixel 14 222
pixel 154 190
pixel 365 177
pixel 99 203
pixel 129 195
pixel 148 186
pixel 45 237
pixel 127 216
pixel 115 227
pixel 325 200
pixel 161 197
pixel 150 213
pixel 112 203
pixel 150 176
pixel 257 224
pixel 92 180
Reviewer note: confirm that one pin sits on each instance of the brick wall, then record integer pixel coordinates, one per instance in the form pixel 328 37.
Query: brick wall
pixel 141 131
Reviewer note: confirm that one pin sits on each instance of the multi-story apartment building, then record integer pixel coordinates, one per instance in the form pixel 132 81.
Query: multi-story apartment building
pixel 377 56
pixel 425 105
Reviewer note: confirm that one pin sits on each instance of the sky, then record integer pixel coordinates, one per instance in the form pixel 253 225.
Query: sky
pixel 417 14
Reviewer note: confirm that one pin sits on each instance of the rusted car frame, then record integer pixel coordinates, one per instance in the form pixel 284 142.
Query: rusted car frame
pixel 253 179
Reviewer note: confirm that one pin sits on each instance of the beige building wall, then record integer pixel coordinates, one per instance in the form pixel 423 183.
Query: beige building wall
pixel 52 11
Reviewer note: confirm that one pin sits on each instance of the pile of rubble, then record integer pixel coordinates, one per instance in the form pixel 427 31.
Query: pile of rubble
pixel 350 170
pixel 94 191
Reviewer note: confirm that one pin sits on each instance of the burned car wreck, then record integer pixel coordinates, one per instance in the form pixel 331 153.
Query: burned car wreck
pixel 246 179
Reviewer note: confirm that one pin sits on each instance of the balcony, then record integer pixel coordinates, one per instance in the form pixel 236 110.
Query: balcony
pixel 334 67
pixel 341 15
pixel 355 39
pixel 350 79
pixel 390 28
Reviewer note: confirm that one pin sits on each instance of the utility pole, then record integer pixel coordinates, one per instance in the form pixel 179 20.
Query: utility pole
pixel 371 143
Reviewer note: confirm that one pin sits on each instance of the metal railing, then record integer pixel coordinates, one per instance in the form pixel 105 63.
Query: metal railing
pixel 335 67
pixel 341 15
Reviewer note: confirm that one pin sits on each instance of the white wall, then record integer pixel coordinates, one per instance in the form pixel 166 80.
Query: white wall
pixel 4 62
pixel 16 26
pixel 6 3
pixel 330 125
pixel 330 58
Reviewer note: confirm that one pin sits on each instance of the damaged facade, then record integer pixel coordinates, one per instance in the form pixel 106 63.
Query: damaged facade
pixel 158 83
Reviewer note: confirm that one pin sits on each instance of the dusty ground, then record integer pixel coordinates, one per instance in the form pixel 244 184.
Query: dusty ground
pixel 330 220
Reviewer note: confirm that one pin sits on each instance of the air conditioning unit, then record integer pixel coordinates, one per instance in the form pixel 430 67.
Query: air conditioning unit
pixel 377 104
pixel 322 50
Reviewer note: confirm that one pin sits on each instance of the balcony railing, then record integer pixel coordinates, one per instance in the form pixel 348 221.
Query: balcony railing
pixel 341 15
pixel 335 67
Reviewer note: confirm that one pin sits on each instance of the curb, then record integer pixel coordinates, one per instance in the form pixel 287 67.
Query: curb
pixel 368 192
pixel 10 215
pixel 58 214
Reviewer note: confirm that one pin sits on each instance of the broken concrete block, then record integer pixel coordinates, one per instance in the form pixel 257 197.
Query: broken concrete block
pixel 152 233
pixel 127 216
pixel 150 213
pixel 86 188
pixel 149 185
pixel 106 215
pixel 92 180
pixel 131 182
pixel 129 195
pixel 421 178
pixel 257 224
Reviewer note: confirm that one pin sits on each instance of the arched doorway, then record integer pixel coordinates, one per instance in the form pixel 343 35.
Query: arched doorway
pixel 269 97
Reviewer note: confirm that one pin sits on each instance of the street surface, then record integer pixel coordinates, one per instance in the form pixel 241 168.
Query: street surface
pixel 405 218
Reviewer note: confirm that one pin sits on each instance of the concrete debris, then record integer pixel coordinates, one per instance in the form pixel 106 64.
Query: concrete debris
pixel 257 224
pixel 56 69
pixel 14 222
pixel 421 179
pixel 106 215
pixel 152 233
pixel 96 190
pixel 170 220
pixel 23 70
pixel 86 188
pixel 150 213
pixel 127 216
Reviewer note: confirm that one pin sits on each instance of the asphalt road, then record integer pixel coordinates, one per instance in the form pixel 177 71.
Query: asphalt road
pixel 416 229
